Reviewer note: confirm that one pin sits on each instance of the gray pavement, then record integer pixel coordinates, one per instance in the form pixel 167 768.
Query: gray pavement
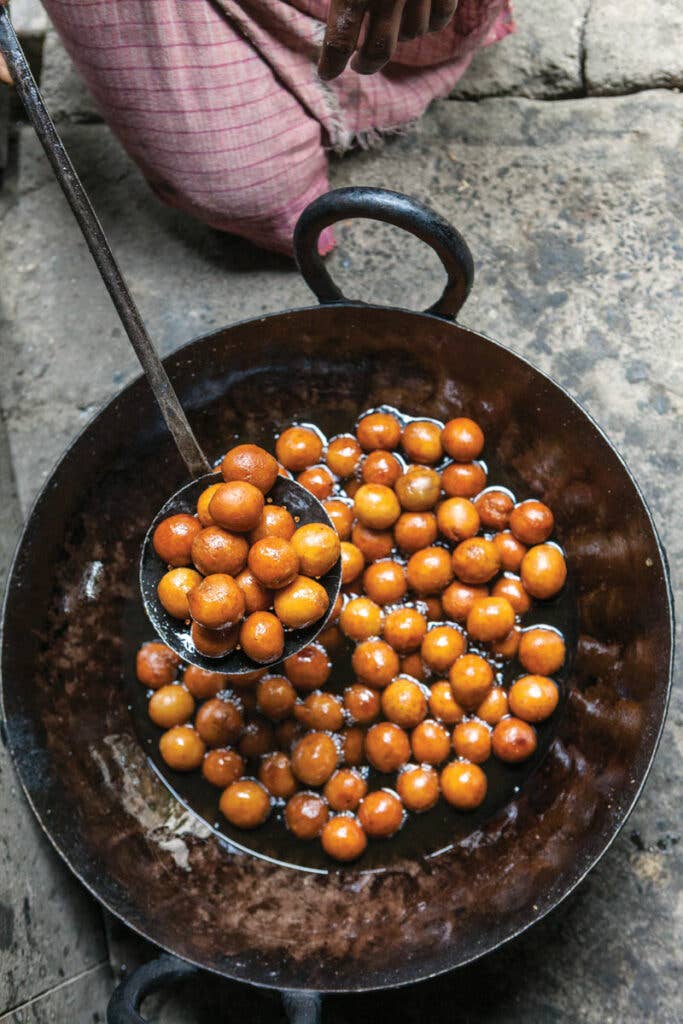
pixel 572 206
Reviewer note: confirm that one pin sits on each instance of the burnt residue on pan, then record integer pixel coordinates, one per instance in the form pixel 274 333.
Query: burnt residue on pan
pixel 70 643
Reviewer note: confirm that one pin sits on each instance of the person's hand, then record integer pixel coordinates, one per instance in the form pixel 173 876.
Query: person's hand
pixel 388 22
pixel 4 70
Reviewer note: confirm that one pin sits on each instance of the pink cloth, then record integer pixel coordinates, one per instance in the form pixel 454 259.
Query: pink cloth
pixel 220 104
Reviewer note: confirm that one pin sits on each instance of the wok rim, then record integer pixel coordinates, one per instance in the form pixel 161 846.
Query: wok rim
pixel 418 977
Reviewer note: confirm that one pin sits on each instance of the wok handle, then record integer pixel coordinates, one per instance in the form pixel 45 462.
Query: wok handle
pixel 96 241
pixel 300 1007
pixel 392 208
pixel 128 995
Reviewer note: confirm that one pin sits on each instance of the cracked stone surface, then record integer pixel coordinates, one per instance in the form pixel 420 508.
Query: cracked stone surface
pixel 541 59
pixel 634 45
pixel 573 212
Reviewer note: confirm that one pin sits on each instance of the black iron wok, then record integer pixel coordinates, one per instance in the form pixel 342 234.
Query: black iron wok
pixel 73 619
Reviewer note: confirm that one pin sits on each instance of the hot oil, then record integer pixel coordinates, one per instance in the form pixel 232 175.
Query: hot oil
pixel 422 835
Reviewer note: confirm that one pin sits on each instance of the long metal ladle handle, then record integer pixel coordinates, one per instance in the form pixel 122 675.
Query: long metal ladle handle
pixel 83 211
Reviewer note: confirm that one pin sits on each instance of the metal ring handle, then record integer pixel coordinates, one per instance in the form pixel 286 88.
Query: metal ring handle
pixel 128 995
pixel 392 208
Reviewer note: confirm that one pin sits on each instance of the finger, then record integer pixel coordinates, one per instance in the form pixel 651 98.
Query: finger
pixel 415 21
pixel 442 12
pixel 341 36
pixel 381 37
pixel 4 70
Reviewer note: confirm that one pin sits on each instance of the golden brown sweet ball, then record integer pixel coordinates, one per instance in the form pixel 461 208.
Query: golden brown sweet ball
pixel 275 521
pixel 170 705
pixel 476 560
pixel 314 758
pixel 343 838
pixel 318 480
pixel 543 571
pixel 173 590
pixel 458 599
pixel 514 740
pixel 385 582
pixel 512 589
pixel 274 562
pixel 297 448
pixel 237 506
pixel 463 439
pixel 216 602
pixel 510 551
pixel 214 643
pixel 275 697
pixel 404 629
pixel 305 815
pixel 257 598
pixel 222 767
pixel 471 678
pixel 443 705
pixel 434 608
pixel 257 738
pixel 308 669
pixel 353 746
pixel 413 665
pixel 463 479
pixel 419 489
pixel 494 706
pixel 494 507
pixel 541 650
pixel 352 562
pixel 531 522
pixel 203 503
pixel 318 548
pixel 182 748
pixel 301 603
pixel 287 733
pixel 219 722
pixel 379 430
pixel 321 711
pixel 343 455
pixel 376 506
pixel 381 468
pixel 421 441
pixel 251 464
pixel 404 702
pixel 156 665
pixel 463 785
pixel 429 571
pixel 262 637
pixel 245 803
pixel 491 618
pixel 217 550
pixel 457 519
pixel 375 663
pixel 415 530
pixel 203 684
pixel 275 773
pixel 387 747
pixel 532 698
pixel 345 790
pixel 373 544
pixel 472 741
pixel 381 814
pixel 430 742
pixel 173 538
pixel 360 619
pixel 418 787
pixel 362 703
pixel 441 646
pixel 341 516
pixel 508 646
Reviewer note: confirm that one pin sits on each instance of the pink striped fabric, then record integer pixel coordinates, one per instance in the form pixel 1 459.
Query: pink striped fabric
pixel 220 104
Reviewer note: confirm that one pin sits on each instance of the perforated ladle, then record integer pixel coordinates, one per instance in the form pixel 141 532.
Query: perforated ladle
pixel 300 502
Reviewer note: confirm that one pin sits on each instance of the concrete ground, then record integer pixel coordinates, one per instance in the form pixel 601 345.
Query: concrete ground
pixel 559 158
